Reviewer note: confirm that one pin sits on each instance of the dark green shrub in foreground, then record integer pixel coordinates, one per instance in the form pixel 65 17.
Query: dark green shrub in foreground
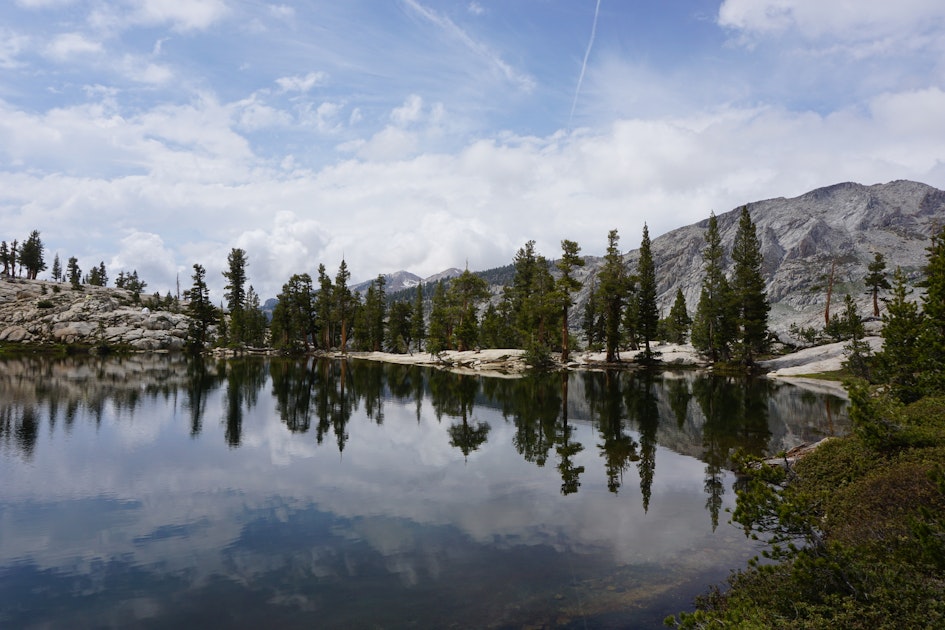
pixel 855 532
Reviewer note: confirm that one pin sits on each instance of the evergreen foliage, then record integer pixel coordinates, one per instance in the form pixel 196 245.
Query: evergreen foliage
pixel 932 341
pixel 713 327
pixel 417 327
pixel 677 324
pixel 902 327
pixel 201 310
pixel 612 294
pixel 31 255
pixel 647 315
pixel 876 279
pixel 565 286
pixel 73 272
pixel 748 290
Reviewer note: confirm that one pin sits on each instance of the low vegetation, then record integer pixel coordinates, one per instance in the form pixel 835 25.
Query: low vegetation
pixel 855 531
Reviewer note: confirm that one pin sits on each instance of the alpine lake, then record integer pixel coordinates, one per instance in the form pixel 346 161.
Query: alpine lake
pixel 155 491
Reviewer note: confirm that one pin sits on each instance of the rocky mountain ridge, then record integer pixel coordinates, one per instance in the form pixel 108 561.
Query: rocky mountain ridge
pixel 802 238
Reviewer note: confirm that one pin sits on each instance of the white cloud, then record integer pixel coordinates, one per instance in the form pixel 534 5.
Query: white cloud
pixel 475 8
pixel 846 20
pixel 301 83
pixel 11 45
pixel 180 15
pixel 146 253
pixel 409 112
pixel 183 15
pixel 67 46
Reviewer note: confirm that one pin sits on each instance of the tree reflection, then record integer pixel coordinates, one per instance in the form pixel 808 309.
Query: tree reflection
pixel 19 426
pixel 736 417
pixel 200 382
pixel 618 449
pixel 564 447
pixel 244 380
pixel 293 386
pixel 642 405
pixel 454 395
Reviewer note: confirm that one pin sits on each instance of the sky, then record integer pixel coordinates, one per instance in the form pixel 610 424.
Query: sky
pixel 425 134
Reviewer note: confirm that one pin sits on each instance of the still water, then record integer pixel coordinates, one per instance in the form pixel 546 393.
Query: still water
pixel 154 492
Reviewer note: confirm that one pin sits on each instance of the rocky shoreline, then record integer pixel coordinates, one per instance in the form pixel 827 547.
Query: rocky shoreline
pixel 43 312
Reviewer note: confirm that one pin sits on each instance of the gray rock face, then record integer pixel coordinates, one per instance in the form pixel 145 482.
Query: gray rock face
pixel 801 239
pixel 37 311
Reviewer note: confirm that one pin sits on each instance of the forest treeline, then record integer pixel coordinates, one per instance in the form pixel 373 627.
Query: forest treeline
pixel 532 311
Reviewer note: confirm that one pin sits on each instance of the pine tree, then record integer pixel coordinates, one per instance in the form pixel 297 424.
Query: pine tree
pixel 647 315
pixel 748 288
pixel 5 258
pixel 612 294
pixel 679 320
pixel 375 309
pixel 73 272
pixel 57 269
pixel 31 255
pixel 293 320
pixel 566 285
pixel 201 311
pixel 324 308
pixel 857 351
pixel 344 303
pixel 440 333
pixel 876 279
pixel 465 293
pixel 417 328
pixel 902 327
pixel 254 320
pixel 932 343
pixel 713 327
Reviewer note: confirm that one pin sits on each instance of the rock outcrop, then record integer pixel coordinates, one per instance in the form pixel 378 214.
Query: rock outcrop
pixel 37 311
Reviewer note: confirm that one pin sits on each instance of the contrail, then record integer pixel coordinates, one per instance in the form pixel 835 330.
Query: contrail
pixel 587 53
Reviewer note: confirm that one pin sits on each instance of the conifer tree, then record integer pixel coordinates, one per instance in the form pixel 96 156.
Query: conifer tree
pixel 344 303
pixel 902 327
pixel 201 311
pixel 566 285
pixel 324 308
pixel 713 327
pixel 876 279
pixel 375 309
pixel 5 258
pixel 932 342
pixel 31 255
pixel 612 294
pixel 417 328
pixel 57 269
pixel 440 334
pixel 73 272
pixel 679 320
pixel 648 316
pixel 748 288
pixel 466 291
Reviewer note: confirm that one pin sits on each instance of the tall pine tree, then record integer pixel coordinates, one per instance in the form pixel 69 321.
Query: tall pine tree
pixel 932 342
pixel 713 327
pixel 612 290
pixel 748 289
pixel 647 315
pixel 566 285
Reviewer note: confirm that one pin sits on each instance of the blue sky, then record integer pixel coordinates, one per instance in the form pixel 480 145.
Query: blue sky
pixel 422 134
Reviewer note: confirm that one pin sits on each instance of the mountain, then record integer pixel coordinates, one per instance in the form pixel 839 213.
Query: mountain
pixel 839 226
pixel 400 280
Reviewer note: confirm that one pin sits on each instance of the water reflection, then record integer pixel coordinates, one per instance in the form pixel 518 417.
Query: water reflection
pixel 157 488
